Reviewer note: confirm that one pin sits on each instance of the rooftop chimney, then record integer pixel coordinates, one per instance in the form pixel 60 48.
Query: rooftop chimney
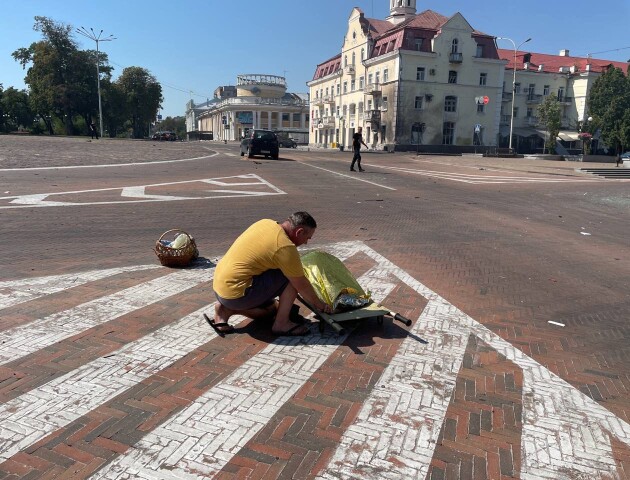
pixel 564 53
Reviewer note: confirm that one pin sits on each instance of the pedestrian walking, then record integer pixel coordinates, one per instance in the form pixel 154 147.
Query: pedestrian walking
pixel 357 140
pixel 93 131
pixel 619 158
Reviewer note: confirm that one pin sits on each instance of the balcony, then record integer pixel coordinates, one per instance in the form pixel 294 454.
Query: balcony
pixel 533 99
pixel 349 70
pixel 372 89
pixel 532 121
pixel 455 58
pixel 565 100
pixel 317 101
pixel 325 122
pixel 507 97
pixel 372 116
pixel 329 98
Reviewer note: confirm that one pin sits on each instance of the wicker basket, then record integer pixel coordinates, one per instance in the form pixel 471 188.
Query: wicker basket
pixel 176 257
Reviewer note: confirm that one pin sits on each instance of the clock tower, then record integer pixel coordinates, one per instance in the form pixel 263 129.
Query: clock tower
pixel 401 10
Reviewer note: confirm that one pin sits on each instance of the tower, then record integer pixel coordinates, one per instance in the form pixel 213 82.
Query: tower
pixel 401 10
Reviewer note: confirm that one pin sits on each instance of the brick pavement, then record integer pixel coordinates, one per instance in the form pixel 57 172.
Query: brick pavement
pixel 511 257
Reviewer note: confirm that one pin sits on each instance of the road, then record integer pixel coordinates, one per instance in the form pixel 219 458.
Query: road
pixel 515 273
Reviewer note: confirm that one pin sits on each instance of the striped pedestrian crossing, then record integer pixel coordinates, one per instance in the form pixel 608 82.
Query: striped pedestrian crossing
pixel 74 424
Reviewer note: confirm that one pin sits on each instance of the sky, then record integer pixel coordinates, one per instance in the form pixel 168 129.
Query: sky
pixel 194 46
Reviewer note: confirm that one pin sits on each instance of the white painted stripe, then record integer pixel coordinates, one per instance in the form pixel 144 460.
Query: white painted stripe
pixel 25 339
pixel 560 423
pixel 14 292
pixel 65 167
pixel 556 323
pixel 408 403
pixel 203 438
pixel 30 417
pixel 353 177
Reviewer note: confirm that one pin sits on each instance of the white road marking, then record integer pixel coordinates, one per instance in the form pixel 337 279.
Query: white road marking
pixel 203 438
pixel 25 339
pixel 30 417
pixel 65 167
pixel 483 179
pixel 138 191
pixel 556 323
pixel 14 292
pixel 353 177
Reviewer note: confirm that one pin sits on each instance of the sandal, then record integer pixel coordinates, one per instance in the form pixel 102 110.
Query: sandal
pixel 295 316
pixel 293 331
pixel 222 328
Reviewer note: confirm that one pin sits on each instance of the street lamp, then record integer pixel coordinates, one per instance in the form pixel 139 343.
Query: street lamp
pixel 97 38
pixel 513 84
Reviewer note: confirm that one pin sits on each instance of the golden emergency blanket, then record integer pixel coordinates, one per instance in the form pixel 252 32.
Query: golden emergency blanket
pixel 333 282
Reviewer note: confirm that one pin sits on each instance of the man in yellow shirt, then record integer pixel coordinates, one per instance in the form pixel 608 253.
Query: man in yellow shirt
pixel 263 263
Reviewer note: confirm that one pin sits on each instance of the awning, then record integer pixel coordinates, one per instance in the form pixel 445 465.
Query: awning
pixel 569 136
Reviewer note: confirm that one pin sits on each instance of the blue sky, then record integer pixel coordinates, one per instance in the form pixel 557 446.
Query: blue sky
pixel 197 45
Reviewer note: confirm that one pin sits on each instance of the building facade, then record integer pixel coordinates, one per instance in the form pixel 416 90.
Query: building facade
pixel 256 101
pixel 410 80
pixel 537 76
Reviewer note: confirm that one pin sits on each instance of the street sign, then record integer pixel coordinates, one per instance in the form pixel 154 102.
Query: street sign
pixel 482 100
pixel 486 100
pixel 478 128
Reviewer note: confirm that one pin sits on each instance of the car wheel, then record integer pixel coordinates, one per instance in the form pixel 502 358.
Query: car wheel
pixel 249 153
pixel 275 157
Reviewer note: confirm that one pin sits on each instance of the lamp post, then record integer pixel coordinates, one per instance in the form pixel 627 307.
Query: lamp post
pixel 513 83
pixel 97 38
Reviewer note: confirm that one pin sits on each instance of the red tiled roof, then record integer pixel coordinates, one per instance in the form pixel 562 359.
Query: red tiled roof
pixel 427 19
pixel 552 63
pixel 329 66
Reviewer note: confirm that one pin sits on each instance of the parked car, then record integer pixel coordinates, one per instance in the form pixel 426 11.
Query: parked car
pixel 261 142
pixel 287 142
pixel 625 156
pixel 166 136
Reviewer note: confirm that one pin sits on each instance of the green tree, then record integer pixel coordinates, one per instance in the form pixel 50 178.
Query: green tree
pixel 609 105
pixel 549 114
pixel 175 124
pixel 143 98
pixel 15 105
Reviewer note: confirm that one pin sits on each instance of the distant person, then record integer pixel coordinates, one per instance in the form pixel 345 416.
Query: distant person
pixel 619 161
pixel 93 131
pixel 357 140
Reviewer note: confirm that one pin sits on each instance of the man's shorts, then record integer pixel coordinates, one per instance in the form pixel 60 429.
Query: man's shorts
pixel 264 288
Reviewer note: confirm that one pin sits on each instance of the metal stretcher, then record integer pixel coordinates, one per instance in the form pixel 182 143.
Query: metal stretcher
pixel 335 320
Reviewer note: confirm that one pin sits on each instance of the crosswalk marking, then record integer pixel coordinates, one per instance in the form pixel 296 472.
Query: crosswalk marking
pixel 15 292
pixel 564 431
pixel 483 179
pixel 25 339
pixel 202 439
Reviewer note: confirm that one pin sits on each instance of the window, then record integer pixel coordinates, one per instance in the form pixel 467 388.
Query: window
pixel 448 132
pixel 483 78
pixel 418 103
pixel 452 76
pixel 369 105
pixel 385 75
pixel 515 112
pixel 546 90
pixel 326 91
pixel 420 73
pixel 285 117
pixel 360 107
pixel 454 45
pixel 338 110
pixel 517 88
pixel 450 103
pixel 362 54
pixel 338 88
pixel 530 112
pixel 370 78
pixel 377 77
pixel 296 117
pixel 560 94
pixel 353 58
pixel 385 104
pixel 345 61
pixel 479 51
pixel 481 108
pixel 419 44
pixel 345 87
pixel 361 83
pixel 352 85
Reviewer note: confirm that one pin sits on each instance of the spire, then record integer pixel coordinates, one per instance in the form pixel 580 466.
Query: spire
pixel 401 10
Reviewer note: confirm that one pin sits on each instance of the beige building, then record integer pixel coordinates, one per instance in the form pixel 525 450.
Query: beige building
pixel 409 80
pixel 257 101
pixel 537 76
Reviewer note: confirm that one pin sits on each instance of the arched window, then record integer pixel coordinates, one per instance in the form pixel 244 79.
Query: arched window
pixel 454 45
pixel 362 54
pixel 353 58
pixel 345 60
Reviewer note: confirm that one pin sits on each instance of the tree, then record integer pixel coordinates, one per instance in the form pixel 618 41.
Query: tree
pixel 143 98
pixel 175 124
pixel 609 105
pixel 15 105
pixel 550 113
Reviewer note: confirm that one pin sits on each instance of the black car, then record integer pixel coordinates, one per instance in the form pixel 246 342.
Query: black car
pixel 288 143
pixel 261 142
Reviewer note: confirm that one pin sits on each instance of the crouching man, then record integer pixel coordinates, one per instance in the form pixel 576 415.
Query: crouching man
pixel 263 263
